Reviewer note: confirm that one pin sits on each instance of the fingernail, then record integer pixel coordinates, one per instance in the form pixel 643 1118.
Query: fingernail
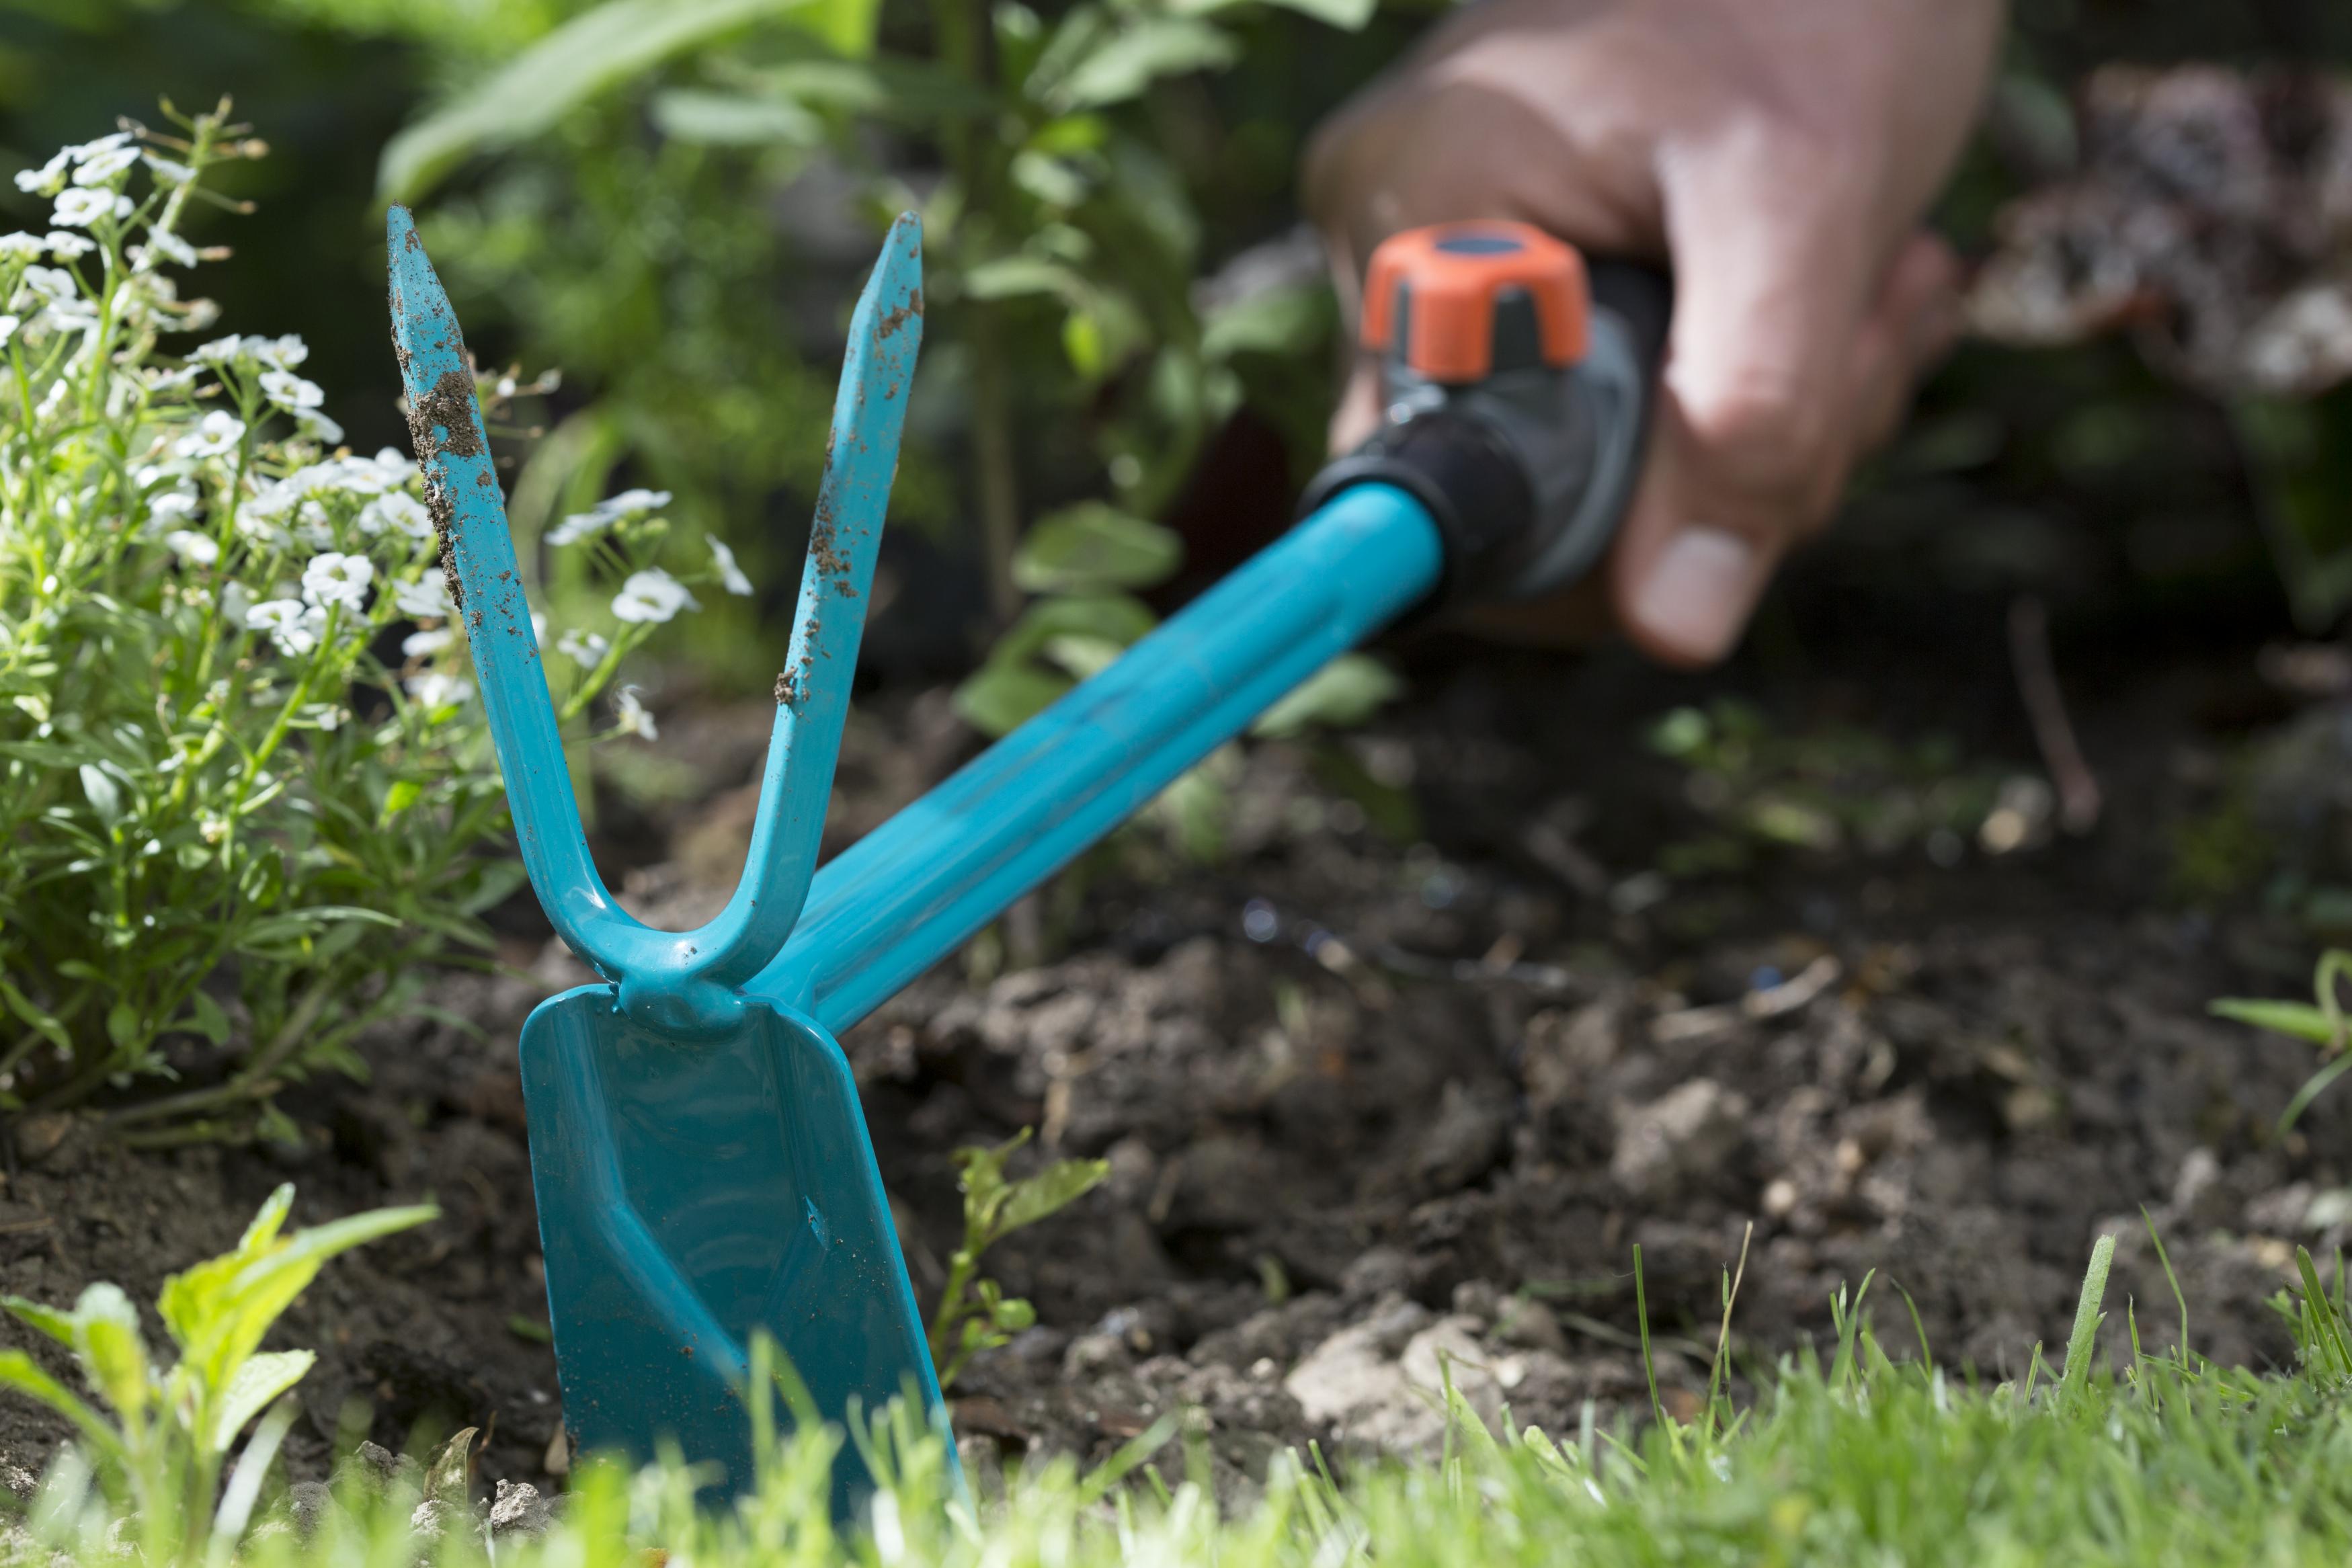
pixel 1698 593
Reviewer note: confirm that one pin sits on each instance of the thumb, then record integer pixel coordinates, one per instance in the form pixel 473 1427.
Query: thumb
pixel 1772 281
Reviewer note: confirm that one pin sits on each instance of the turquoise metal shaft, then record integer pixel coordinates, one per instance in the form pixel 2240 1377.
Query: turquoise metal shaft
pixel 915 888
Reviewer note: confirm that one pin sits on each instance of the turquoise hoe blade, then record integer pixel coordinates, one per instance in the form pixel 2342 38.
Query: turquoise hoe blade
pixel 702 1169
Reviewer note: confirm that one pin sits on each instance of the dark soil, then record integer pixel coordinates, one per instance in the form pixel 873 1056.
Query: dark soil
pixel 1369 1100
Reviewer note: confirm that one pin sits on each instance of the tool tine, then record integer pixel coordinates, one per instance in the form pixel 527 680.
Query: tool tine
pixel 813 691
pixel 486 587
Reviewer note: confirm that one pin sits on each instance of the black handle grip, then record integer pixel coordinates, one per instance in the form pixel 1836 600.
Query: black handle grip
pixel 1527 471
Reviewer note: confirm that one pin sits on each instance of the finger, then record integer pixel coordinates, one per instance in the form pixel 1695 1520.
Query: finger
pixel 1913 325
pixel 1358 413
pixel 1773 279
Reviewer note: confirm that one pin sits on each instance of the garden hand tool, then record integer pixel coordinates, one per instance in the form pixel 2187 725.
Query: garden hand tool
pixel 702 1169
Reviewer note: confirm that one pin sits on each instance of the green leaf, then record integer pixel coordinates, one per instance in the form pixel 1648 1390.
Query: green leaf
pixel 122 1025
pixel 848 25
pixel 47 1024
pixel 105 795
pixel 1347 15
pixel 1092 546
pixel 207 1019
pixel 586 57
pixel 1011 277
pixel 112 1354
pixel 219 1309
pixel 1113 616
pixel 1131 60
pixel 1084 657
pixel 251 1389
pixel 1345 692
pixel 1056 1187
pixel 1003 694
pixel 1270 321
pixel 2300 1021
pixel 403 793
pixel 58 1325
pixel 733 119
pixel 19 1371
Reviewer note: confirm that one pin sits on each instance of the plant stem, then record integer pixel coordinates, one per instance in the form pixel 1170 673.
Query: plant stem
pixel 992 452
pixel 962 33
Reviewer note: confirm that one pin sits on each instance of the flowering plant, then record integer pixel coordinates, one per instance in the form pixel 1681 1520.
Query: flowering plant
pixel 244 791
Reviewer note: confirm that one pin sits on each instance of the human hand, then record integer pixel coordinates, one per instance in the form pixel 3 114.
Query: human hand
pixel 1780 156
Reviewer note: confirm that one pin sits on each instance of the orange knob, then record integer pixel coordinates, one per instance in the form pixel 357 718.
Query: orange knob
pixel 1472 299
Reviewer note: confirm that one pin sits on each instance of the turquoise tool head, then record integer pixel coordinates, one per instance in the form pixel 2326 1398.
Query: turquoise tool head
pixel 702 1169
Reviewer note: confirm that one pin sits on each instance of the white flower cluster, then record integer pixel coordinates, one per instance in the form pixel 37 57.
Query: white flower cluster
pixel 626 506
pixel 95 170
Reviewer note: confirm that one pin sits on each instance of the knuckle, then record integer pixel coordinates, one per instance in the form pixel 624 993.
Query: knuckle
pixel 1768 437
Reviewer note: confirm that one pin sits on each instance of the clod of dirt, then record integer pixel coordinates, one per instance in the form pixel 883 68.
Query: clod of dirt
pixel 1679 1140
pixel 519 1513
pixel 448 407
pixel 1376 1394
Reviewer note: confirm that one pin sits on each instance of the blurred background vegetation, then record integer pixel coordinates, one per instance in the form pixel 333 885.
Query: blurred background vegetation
pixel 669 201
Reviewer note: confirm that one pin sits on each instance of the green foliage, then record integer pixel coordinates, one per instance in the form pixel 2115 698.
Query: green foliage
pixel 1863 1460
pixel 1826 791
pixel 158 1461
pixel 2320 1021
pixel 584 59
pixel 244 789
pixel 619 232
pixel 974 1313
pixel 230 819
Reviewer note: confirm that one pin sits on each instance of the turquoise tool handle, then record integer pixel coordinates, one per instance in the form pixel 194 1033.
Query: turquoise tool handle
pixel 908 893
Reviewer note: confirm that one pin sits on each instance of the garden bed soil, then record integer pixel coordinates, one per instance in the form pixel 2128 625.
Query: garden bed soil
pixel 1375 1104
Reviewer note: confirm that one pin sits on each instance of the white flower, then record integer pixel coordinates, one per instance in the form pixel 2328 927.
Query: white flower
pixel 99 144
pixel 235 601
pixel 8 325
pixel 393 469
pixel 604 514
pixel 168 245
pixel 434 691
pixel 425 644
pixel 652 596
pixel 168 172
pixel 334 578
pixel 160 380
pixel 427 599
pixel 292 625
pixel 633 716
pixel 23 244
pixel 221 350
pixel 309 422
pixel 67 245
pixel 79 208
pixel 730 576
pixel 170 507
pixel 101 167
pixel 400 512
pixel 585 649
pixel 288 390
pixel 217 433
pixel 279 354
pixel 50 177
pixel 51 285
pixel 195 549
